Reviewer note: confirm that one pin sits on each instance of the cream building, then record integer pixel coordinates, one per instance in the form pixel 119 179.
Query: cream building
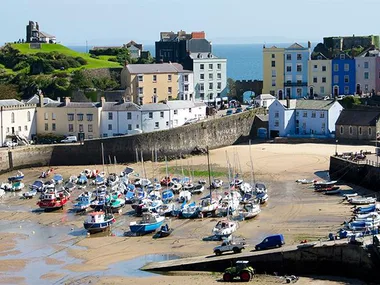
pixel 319 81
pixel 17 121
pixel 69 118
pixel 150 83
pixel 273 71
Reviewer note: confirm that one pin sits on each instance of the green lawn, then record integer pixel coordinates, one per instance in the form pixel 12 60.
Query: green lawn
pixel 91 62
pixel 195 172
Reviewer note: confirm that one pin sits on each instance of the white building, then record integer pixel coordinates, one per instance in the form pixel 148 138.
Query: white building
pixel 17 120
pixel 185 83
pixel 264 100
pixel 303 118
pixel 210 77
pixel 155 117
pixel 185 111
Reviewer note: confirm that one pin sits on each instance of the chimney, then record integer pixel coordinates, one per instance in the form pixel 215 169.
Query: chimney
pixel 102 101
pixel 123 99
pixel 41 100
pixel 288 102
pixel 309 44
pixel 126 63
pixel 67 101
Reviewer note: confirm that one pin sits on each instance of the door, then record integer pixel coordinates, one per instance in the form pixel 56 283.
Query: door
pixel 311 96
pixel 280 95
pixel 13 130
pixel 336 91
pixel 358 91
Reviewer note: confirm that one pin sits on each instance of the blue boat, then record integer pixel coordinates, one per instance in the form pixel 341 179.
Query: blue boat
pixel 129 193
pixel 58 179
pixel 18 177
pixel 98 222
pixel 82 179
pixel 140 194
pixel 37 185
pixel 99 202
pixel 83 203
pixel 365 210
pixel 99 180
pixel 190 211
pixel 167 196
pixel 150 222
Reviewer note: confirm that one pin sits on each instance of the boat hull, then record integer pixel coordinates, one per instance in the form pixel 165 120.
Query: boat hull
pixel 97 227
pixel 52 205
pixel 145 228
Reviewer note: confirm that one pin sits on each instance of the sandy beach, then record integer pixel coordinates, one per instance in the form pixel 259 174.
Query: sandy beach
pixel 53 248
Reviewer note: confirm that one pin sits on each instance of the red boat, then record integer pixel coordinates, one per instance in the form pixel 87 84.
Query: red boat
pixel 53 200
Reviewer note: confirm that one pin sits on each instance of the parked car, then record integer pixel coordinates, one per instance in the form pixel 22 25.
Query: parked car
pixel 10 144
pixel 341 97
pixel 238 110
pixel 229 112
pixel 226 246
pixel 69 139
pixel 250 107
pixel 271 242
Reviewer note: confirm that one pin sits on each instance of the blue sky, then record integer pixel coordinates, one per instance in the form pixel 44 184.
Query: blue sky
pixel 109 22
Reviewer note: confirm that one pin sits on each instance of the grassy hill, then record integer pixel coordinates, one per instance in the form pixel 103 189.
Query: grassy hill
pixel 92 63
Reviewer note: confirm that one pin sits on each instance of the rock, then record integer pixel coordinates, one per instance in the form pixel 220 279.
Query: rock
pixel 198 151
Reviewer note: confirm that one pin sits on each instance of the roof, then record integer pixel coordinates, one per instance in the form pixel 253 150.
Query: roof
pixel 354 117
pixel 45 35
pixel 124 106
pixel 35 100
pixel 265 97
pixel 292 103
pixel 180 104
pixel 10 102
pixel 154 107
pixel 105 47
pixel 180 69
pixel 133 43
pixel 73 105
pixel 314 104
pixel 151 68
pixel 199 104
pixel 263 118
pixel 200 55
pixel 296 46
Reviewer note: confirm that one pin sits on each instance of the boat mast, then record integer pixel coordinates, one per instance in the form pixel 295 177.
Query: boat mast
pixel 142 163
pixel 229 179
pixel 102 155
pixel 209 169
pixel 252 174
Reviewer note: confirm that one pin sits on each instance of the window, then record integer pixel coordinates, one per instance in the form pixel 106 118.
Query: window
pixel 186 88
pixel 297 114
pixel 28 116
pixel 53 116
pixel 273 82
pixel 202 67
pixel 186 78
pixel 350 130
pixel 288 68
pixel 129 127
pixel 80 117
pixel 299 67
pixel 346 67
pixel 366 75
pixel 175 112
pixel 273 55
pixel 366 64
pixel 336 79
pixel 273 63
pixel 323 128
pixel 324 68
pixel 140 78
pixel 360 130
pixel 305 114
pixel 169 90
pixel 189 110
pixel 8 130
pixel 169 77
pixel 313 114
pixel 201 76
pixel 341 130
pixel 323 79
pixel 210 66
pixel 322 90
pixel 110 116
pixel 315 66
pixel 370 131
pixel 336 67
pixel 90 117
pixel 53 127
pixel 154 91
pixel 219 66
pixel 346 79
pixel 366 87
pixel 156 125
pixel 273 73
pixel 105 135
pixel 210 76
pixel 137 126
pixel 81 128
pixel 201 87
pixel 299 92
pixel 161 114
pixel 19 128
pixel 276 114
pixel 288 57
pixel 46 116
pixel 71 128
pixel 25 128
pixel 276 123
pixel 288 92
pixel 211 96
pixel 210 85
pixel 322 115
pixel 46 126
pixel 110 127
pixel 90 129
pixel 154 99
pixel 299 56
pixel 150 115
pixel 70 117
pixel 315 80
pixel 129 116
pixel 219 86
pixel 167 123
pixel 342 56
pixel 90 137
pixel 346 90
pixel 154 78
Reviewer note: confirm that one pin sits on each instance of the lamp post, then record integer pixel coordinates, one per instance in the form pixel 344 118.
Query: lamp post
pixel 336 147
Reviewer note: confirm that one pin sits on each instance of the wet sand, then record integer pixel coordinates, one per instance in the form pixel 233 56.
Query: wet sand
pixel 53 247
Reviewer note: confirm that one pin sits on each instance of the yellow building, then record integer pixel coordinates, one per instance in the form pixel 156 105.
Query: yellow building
pixel 319 76
pixel 150 83
pixel 69 118
pixel 273 71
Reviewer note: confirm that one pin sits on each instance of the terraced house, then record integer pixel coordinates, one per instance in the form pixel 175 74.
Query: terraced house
pixel 343 74
pixel 319 76
pixel 273 71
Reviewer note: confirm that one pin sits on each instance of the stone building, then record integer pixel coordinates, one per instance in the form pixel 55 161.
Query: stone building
pixel 34 35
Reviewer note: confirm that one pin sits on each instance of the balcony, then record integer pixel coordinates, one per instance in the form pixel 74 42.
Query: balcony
pixel 295 84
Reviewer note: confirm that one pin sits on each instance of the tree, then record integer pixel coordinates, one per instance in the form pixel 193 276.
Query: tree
pixel 122 56
pixel 8 91
pixel 80 81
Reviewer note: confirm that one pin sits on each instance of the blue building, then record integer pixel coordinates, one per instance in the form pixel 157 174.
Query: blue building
pixel 343 74
pixel 296 58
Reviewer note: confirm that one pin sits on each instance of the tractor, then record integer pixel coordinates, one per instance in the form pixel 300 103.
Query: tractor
pixel 241 270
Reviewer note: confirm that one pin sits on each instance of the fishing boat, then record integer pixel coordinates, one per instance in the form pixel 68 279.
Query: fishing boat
pixel 49 186
pixel 98 222
pixel 166 181
pixel 250 210
pixel 166 209
pixel 58 179
pixel 6 186
pixel 154 187
pixel 150 222
pixel 73 179
pixel 127 171
pixel 112 179
pixel 129 193
pixel 18 177
pixel 217 183
pixel 116 204
pixel 99 180
pixel 70 186
pixel 37 185
pixel 208 205
pixel 248 198
pixel 151 205
pixel 164 231
pixel 189 211
pixel 167 196
pixel 224 228
pixel 184 196
pixel 142 182
pixel 53 200
pixel 176 188
pixel 188 186
pixel 361 200
pixel 83 203
pixel 370 215
pixel 154 195
pixel 82 179
pixel 140 194
pixel 361 225
pixel 17 186
pixel 99 203
pixel 197 189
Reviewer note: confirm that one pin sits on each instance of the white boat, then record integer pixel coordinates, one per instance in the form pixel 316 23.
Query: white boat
pixel 176 188
pixel 184 196
pixel 166 209
pixel 209 205
pixel 142 182
pixel 348 196
pixel 229 203
pixel 17 186
pixel 6 186
pixel 236 182
pixel 217 183
pixel 305 181
pixel 260 187
pixel 188 186
pixel 366 216
pixel 361 200
pixel 245 188
pixel 2 193
pixel 224 228
pixel 30 194
pixel 73 179
pixel 198 189
pixel 249 210
pixel 262 197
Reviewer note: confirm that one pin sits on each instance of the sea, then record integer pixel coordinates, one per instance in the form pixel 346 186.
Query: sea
pixel 244 61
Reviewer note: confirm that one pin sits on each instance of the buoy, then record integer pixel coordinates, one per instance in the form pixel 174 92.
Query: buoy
pixel 33 232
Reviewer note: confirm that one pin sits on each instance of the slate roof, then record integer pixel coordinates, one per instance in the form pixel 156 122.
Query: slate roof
pixel 73 105
pixel 296 46
pixel 154 107
pixel 358 118
pixel 133 43
pixel 265 97
pixel 151 68
pixel 45 35
pixel 35 100
pixel 180 69
pixel 10 102
pixel 314 104
pixel 263 118
pixel 292 103
pixel 202 55
pixel 115 106
pixel 180 104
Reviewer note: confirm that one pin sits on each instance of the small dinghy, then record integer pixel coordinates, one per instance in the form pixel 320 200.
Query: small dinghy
pixel 361 200
pixel 217 183
pixel 30 194
pixel 18 177
pixel 197 189
pixel 17 186
pixel 164 231
pixel 184 196
pixel 82 179
pixel 58 179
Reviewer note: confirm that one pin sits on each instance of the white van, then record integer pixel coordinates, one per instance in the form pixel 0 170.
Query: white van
pixel 69 139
